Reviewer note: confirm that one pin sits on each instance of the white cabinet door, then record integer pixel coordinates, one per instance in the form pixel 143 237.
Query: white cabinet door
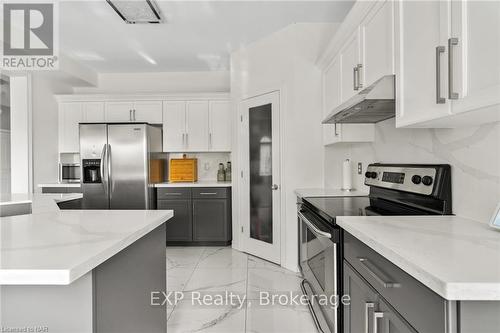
pixel 350 60
pixel 148 112
pixel 475 59
pixel 117 112
pixel 174 126
pixel 421 28
pixel 377 32
pixel 197 126
pixel 93 112
pixel 220 126
pixel 70 115
pixel 331 98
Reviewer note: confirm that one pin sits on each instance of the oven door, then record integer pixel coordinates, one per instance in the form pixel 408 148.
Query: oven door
pixel 318 255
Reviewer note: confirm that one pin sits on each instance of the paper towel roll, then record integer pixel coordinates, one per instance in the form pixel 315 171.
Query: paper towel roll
pixel 346 175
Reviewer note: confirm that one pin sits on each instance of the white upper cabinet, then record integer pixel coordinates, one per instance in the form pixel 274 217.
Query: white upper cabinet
pixel 421 62
pixel 331 98
pixel 93 112
pixel 448 69
pixel 119 112
pixel 350 66
pixel 474 46
pixel 134 111
pixel 219 128
pixel 197 126
pixel 147 111
pixel 70 115
pixel 377 31
pixel 174 126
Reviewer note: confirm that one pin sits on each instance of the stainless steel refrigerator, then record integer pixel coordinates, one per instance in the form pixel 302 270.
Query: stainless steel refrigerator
pixel 115 162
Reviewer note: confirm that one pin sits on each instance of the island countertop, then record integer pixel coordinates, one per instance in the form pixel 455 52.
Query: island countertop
pixel 457 258
pixel 56 247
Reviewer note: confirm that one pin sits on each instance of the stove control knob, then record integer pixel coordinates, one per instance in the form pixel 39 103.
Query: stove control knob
pixel 427 180
pixel 368 174
pixel 416 179
pixel 374 174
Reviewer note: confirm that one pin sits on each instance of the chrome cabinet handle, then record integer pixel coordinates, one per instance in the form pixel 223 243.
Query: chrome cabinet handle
pixel 355 78
pixel 376 317
pixel 439 51
pixel 172 193
pixel 365 263
pixel 208 193
pixel 210 140
pixel 311 227
pixel 335 129
pixel 368 306
pixel 451 42
pixel 130 115
pixel 187 139
pixel 183 139
pixel 359 68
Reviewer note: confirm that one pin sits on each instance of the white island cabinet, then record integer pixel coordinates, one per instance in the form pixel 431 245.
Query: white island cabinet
pixel 83 270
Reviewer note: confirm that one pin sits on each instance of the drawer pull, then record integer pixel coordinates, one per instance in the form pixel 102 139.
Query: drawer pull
pixel 366 264
pixel 368 306
pixel 376 316
pixel 173 193
pixel 208 193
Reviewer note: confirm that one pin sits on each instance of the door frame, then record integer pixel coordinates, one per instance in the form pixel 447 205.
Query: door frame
pixel 258 248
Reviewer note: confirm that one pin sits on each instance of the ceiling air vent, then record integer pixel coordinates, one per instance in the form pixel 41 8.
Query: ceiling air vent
pixel 136 11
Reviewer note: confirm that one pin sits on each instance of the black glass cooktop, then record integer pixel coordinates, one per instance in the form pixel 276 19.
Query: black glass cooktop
pixel 331 207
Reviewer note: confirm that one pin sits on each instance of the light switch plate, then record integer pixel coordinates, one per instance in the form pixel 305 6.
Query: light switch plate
pixel 360 168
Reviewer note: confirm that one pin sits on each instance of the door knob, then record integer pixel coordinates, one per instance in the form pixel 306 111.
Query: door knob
pixel 275 187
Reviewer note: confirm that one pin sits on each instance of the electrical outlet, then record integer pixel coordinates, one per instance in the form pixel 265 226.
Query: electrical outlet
pixel 360 168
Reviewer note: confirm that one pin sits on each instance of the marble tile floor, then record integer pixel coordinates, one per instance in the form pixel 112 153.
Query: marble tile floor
pixel 210 272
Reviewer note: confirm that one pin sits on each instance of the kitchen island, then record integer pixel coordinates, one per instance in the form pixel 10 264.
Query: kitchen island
pixel 83 270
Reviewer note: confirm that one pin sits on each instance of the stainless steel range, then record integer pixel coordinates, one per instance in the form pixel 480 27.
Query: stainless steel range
pixel 395 189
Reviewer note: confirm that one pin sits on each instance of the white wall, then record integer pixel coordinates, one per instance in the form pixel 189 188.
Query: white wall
pixel 473 153
pixel 20 135
pixel 172 82
pixel 285 61
pixel 45 126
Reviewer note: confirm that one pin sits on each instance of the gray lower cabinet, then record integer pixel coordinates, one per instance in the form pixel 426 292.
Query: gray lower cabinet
pixel 210 220
pixel 179 228
pixel 367 311
pixel 384 298
pixel 202 216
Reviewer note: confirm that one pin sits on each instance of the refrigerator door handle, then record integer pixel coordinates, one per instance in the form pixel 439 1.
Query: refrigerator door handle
pixel 110 174
pixel 104 177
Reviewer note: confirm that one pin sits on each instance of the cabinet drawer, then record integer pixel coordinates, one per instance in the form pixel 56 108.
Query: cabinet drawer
pixel 174 193
pixel 210 193
pixel 420 306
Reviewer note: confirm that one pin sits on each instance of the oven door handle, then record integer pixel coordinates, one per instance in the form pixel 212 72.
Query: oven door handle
pixel 313 228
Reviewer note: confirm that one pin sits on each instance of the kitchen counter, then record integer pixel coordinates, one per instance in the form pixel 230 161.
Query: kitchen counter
pixel 60 185
pixel 58 247
pixel 328 192
pixel 39 202
pixel 457 258
pixel 203 183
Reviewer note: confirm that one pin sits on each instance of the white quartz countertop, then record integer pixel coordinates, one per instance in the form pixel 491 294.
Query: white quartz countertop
pixel 58 247
pixel 59 185
pixel 204 183
pixel 457 258
pixel 39 202
pixel 328 192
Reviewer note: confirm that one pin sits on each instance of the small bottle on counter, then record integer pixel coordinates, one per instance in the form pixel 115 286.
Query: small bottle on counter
pixel 228 172
pixel 221 174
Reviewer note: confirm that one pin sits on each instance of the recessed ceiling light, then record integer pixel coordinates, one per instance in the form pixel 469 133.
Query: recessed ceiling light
pixel 147 58
pixel 136 11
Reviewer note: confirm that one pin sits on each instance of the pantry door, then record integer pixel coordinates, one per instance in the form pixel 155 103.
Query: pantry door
pixel 260 176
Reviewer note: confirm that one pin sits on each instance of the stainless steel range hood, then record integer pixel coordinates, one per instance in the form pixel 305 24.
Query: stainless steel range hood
pixel 371 105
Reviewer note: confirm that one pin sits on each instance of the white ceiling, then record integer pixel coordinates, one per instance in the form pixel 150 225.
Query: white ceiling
pixel 197 35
